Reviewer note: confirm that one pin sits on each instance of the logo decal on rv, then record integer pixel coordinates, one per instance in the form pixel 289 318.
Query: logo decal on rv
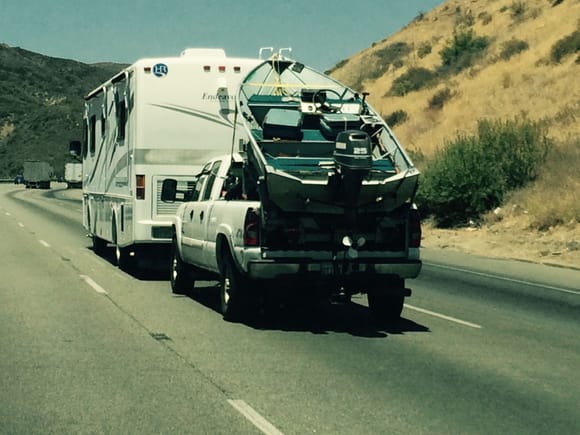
pixel 160 70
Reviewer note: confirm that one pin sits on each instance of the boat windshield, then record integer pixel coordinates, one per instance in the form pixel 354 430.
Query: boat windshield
pixel 288 78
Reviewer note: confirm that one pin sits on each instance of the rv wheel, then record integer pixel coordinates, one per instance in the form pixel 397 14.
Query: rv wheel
pixel 123 258
pixel 99 245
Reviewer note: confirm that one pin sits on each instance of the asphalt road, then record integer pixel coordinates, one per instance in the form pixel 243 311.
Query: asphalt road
pixel 485 347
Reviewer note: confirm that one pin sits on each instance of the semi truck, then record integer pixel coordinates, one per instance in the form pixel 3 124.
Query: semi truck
pixel 37 174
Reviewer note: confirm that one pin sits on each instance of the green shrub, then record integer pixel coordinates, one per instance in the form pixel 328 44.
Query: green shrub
pixel 565 46
pixel 462 51
pixel 485 18
pixel 518 10
pixel 383 58
pixel 438 100
pixel 414 79
pixel 424 49
pixel 472 174
pixel 512 47
pixel 396 117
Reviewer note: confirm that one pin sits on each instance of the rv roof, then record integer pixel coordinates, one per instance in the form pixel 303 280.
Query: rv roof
pixel 204 52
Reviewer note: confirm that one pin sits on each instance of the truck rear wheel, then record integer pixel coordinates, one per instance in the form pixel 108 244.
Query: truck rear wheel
pixel 386 304
pixel 182 280
pixel 233 290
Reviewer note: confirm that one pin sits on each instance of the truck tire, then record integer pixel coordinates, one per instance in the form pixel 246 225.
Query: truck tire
pixel 233 289
pixel 182 280
pixel 386 305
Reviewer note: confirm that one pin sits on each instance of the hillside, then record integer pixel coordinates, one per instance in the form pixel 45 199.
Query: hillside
pixel 529 83
pixel 41 104
pixel 466 61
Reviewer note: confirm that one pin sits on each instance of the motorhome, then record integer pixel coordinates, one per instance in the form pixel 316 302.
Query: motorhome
pixel 158 118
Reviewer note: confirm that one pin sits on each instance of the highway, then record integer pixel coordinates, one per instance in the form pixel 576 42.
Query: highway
pixel 484 347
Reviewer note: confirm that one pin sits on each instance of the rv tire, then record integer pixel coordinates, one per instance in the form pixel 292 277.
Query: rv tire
pixel 99 245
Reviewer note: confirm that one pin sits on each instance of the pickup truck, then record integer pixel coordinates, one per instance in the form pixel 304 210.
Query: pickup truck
pixel 224 231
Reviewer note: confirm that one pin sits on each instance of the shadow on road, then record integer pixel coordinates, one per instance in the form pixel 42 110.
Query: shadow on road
pixel 316 318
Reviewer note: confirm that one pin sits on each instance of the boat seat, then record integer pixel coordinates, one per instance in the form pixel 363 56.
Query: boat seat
pixel 261 104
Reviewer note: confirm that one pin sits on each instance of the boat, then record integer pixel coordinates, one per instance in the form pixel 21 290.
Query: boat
pixel 314 145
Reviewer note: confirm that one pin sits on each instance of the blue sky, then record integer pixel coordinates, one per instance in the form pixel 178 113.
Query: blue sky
pixel 320 32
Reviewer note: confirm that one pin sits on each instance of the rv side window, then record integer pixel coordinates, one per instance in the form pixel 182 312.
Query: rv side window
pixel 92 134
pixel 211 179
pixel 122 122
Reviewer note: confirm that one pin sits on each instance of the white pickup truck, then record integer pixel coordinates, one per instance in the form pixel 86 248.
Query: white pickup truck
pixel 223 231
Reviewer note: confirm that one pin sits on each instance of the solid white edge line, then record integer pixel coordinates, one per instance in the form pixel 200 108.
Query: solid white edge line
pixel 96 287
pixel 43 243
pixel 254 417
pixel 516 281
pixel 443 316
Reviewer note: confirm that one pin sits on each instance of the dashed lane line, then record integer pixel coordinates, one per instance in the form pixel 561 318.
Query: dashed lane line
pixel 44 243
pixel 254 417
pixel 96 287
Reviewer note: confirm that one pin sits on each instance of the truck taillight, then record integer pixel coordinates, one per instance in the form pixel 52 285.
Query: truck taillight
pixel 140 186
pixel 414 228
pixel 251 228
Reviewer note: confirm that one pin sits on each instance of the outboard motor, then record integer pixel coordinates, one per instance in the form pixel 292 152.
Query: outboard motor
pixel 352 161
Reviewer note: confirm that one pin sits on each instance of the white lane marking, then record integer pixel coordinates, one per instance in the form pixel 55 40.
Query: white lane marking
pixel 43 243
pixel 20 224
pixel 7 214
pixel 96 287
pixel 256 419
pixel 516 281
pixel 443 316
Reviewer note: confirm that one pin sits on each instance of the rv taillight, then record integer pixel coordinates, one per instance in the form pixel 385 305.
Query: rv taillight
pixel 222 69
pixel 251 228
pixel 414 228
pixel 140 186
pixel 207 68
pixel 237 69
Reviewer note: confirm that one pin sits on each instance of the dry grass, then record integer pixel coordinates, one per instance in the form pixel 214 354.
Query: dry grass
pixel 553 199
pixel 527 83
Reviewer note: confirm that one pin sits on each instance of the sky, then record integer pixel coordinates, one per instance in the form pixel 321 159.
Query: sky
pixel 320 32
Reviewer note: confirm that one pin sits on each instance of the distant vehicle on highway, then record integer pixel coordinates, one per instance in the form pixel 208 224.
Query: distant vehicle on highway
pixel 19 179
pixel 37 174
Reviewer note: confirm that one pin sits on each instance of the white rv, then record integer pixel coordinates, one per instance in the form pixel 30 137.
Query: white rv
pixel 159 118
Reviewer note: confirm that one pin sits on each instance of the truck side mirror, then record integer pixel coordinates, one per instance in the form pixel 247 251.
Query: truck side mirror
pixel 169 190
